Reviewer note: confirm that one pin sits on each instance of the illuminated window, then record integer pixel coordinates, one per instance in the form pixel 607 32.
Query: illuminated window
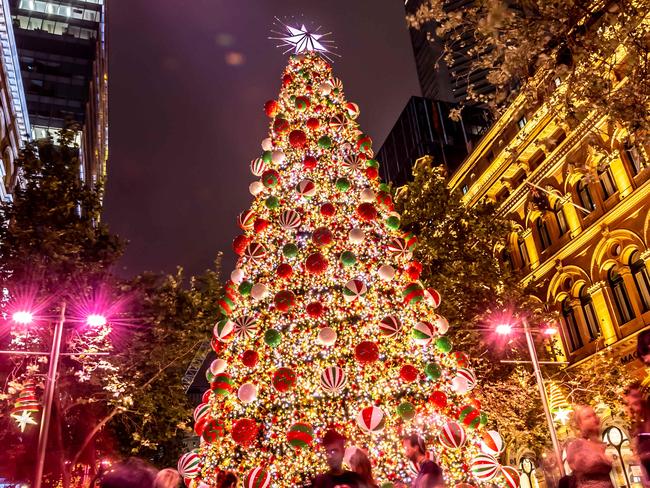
pixel 607 182
pixel 634 158
pixel 521 123
pixel 589 312
pixel 575 341
pixel 624 312
pixel 523 252
pixel 560 218
pixel 543 233
pixel 641 279
pixel 584 195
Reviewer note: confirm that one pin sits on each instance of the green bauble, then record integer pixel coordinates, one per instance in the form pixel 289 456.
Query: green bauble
pixel 483 419
pixel 325 142
pixel 245 288
pixel 272 338
pixel 443 344
pixel 266 156
pixel 372 163
pixel 290 250
pixel 433 371
pixel 272 203
pixel 393 222
pixel 348 258
pixel 384 187
pixel 342 184
pixel 406 410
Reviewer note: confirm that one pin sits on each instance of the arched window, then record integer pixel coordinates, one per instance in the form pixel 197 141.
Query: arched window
pixel 584 194
pixel 575 341
pixel 542 231
pixel 624 311
pixel 633 157
pixel 506 259
pixel 589 312
pixel 523 252
pixel 560 218
pixel 607 182
pixel 641 279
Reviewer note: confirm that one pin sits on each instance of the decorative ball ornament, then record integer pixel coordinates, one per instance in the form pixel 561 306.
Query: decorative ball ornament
pixel 284 300
pixel 278 157
pixel 432 298
pixel 246 220
pixel 259 291
pixel 267 144
pixel 213 430
pixel 327 209
pixel 390 325
pixel 324 88
pixel 250 358
pixel 218 366
pixel 439 399
pixel 284 379
pixel 412 293
pixel 270 178
pixel 423 333
pixel 432 371
pixel 223 384
pixel 342 184
pixel 306 188
pixel 356 236
pixel 309 162
pixel 327 336
pixel 201 412
pixel 247 393
pixel 452 435
pixel 484 467
pixel 352 110
pixel 440 324
pixel 398 248
pixel 289 220
pixel 406 410
pixel 469 375
pixel 371 420
pixel 271 108
pixel 313 123
pixel 367 211
pixel 352 162
pixel 257 478
pixel 366 352
pixel 443 344
pixel 333 379
pixel 272 338
pixel 491 442
pixel 367 195
pixel 239 244
pixel 258 166
pixel 469 416
pixel 510 476
pixel 315 309
pixel 290 250
pixel 284 270
pixel 325 142
pixel 337 122
pixel 244 431
pixel 301 103
pixel 237 276
pixel 255 188
pixel 348 258
pixel 459 385
pixel 322 237
pixel 300 435
pixel 224 330
pixel 246 327
pixel 280 126
pixel 255 252
pixel 188 465
pixel 354 289
pixel 297 139
pixel 260 225
pixel 386 272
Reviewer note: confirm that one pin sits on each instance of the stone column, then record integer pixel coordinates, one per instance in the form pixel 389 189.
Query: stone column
pixel 630 287
pixel 531 248
pixel 571 214
pixel 621 177
pixel 607 327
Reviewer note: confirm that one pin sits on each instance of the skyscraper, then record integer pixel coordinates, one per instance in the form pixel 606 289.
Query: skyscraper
pixel 63 59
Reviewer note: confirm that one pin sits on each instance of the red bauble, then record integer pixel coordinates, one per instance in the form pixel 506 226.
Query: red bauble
pixel 322 237
pixel 462 359
pixel 439 399
pixel 408 373
pixel 309 162
pixel 366 352
pixel 367 211
pixel 249 358
pixel 313 123
pixel 315 309
pixel 284 379
pixel 239 244
pixel 271 108
pixel 316 263
pixel 297 138
pixel 385 200
pixel 372 173
pixel 260 225
pixel 287 79
pixel 207 395
pixel 413 270
pixel 284 300
pixel 284 270
pixel 281 126
pixel 476 403
pixel 244 431
pixel 327 209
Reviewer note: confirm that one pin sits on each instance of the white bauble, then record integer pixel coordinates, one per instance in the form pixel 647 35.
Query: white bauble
pixel 356 236
pixel 324 89
pixel 459 384
pixel 256 187
pixel 218 366
pixel 267 144
pixel 386 272
pixel 327 336
pixel 277 157
pixel 237 276
pixel 368 195
pixel 259 291
pixel 247 393
pixel 441 324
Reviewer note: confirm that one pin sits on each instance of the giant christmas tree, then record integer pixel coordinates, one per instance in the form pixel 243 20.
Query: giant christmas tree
pixel 325 323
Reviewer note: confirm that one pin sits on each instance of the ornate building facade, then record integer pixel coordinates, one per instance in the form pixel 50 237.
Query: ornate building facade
pixel 578 193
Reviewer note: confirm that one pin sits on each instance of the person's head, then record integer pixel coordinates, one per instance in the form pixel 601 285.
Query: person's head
pixel 643 347
pixel 414 447
pixel 334 445
pixel 226 479
pixel 586 421
pixel 167 478
pixel 635 401
pixel 132 473
pixel 360 464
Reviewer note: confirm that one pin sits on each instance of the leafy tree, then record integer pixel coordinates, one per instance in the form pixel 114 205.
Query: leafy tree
pixel 600 49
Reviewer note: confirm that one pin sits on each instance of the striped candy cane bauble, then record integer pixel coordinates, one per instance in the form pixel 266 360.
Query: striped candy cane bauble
pixel 452 435
pixel 422 333
pixel 188 465
pixel 255 252
pixel 246 220
pixel 306 188
pixel 257 478
pixel 333 379
pixel 258 166
pixel 390 325
pixel 484 467
pixel 469 375
pixel 354 289
pixel 224 330
pixel 511 476
pixel 371 420
pixel 300 435
pixel 246 327
pixel 491 442
pixel 289 220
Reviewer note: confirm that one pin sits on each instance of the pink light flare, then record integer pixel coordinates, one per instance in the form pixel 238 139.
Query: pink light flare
pixel 22 317
pixel 503 329
pixel 96 320
pixel 550 330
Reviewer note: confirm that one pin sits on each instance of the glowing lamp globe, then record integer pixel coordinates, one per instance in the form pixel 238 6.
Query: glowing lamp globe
pixel 22 317
pixel 503 329
pixel 95 320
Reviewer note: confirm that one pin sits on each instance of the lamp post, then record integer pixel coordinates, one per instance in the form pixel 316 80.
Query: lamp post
pixel 505 329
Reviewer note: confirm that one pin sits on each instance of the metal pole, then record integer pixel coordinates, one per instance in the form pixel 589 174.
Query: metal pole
pixel 542 394
pixel 50 387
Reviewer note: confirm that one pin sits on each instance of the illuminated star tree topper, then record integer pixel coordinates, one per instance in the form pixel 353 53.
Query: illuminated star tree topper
pixel 303 39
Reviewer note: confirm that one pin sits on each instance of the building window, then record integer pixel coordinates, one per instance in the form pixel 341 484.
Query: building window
pixel 465 189
pixel 506 259
pixel 542 231
pixel 589 312
pixel 523 252
pixel 607 182
pixel 622 304
pixel 634 158
pixel 521 123
pixel 641 279
pixel 557 81
pixel 584 195
pixel 560 218
pixel 575 341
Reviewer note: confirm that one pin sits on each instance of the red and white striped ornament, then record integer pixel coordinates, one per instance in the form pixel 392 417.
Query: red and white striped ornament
pixel 354 289
pixel 397 247
pixel 491 442
pixel 333 379
pixel 352 161
pixel 201 411
pixel 337 84
pixel 484 467
pixel 224 330
pixel 188 465
pixel 511 476
pixel 452 435
pixel 257 478
pixel 246 327
pixel 306 188
pixel 371 420
pixel 289 220
pixel 246 220
pixel 440 324
pixel 337 122
pixel 352 109
pixel 469 375
pixel 255 252
pixel 423 333
pixel 390 325
pixel 258 166
pixel 432 297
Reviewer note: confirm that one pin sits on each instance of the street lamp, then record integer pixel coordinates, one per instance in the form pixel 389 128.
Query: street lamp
pixel 505 329
pixel 22 317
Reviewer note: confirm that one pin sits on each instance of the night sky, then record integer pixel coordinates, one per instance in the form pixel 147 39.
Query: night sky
pixel 188 80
